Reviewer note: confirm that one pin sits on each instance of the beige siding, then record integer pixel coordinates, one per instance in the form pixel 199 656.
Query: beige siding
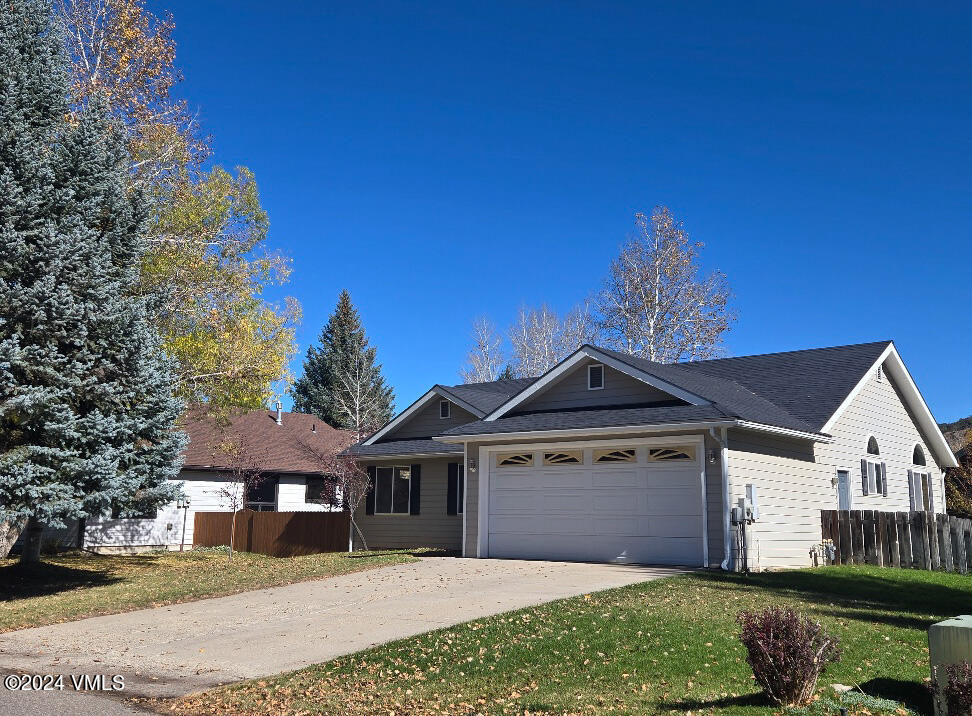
pixel 713 486
pixel 432 527
pixel 571 391
pixel 794 482
pixel 426 423
pixel 878 410
pixel 791 490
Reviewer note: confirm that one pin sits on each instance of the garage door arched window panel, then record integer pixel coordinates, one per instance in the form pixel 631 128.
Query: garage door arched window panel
pixel 671 454
pixel 612 455
pixel 564 457
pixel 514 459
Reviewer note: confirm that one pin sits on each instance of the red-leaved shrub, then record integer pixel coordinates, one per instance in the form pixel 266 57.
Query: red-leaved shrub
pixel 787 653
pixel 958 688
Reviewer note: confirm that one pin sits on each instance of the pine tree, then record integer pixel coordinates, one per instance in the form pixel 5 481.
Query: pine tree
pixel 342 384
pixel 86 406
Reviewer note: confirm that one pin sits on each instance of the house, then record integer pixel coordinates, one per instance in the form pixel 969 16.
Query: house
pixel 610 457
pixel 283 448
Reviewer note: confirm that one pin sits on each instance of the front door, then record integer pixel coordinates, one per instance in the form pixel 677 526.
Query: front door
pixel 843 490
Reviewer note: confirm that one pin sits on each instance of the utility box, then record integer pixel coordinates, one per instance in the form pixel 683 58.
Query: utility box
pixel 949 642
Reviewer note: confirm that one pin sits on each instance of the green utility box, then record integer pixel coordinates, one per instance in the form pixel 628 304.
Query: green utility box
pixel 949 642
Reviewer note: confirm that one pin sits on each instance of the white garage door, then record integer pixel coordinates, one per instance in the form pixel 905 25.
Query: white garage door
pixel 638 504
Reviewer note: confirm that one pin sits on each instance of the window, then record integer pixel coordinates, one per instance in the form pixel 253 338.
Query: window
pixel 567 457
pixel 262 496
pixel 920 489
pixel 392 490
pixel 445 409
pixel 872 446
pixel 874 478
pixel 595 377
pixel 455 493
pixel 670 454
pixel 614 455
pixel 918 456
pixel 514 459
pixel 320 491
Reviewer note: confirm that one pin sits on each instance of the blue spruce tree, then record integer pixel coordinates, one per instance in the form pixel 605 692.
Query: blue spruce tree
pixel 87 413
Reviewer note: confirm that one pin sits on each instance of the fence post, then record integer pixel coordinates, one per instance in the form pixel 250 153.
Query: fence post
pixel 870 546
pixel 881 543
pixel 904 534
pixel 934 552
pixel 846 543
pixel 894 540
pixel 944 542
pixel 857 536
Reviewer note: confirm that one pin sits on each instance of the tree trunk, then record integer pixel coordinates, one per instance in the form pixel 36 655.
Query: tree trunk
pixel 232 534
pixel 9 532
pixel 32 542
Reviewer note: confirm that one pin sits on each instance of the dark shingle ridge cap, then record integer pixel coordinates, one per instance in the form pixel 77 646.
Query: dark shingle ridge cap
pixel 800 351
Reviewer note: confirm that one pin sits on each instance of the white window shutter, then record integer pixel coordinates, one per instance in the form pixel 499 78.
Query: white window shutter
pixel 864 476
pixel 911 489
pixel 931 494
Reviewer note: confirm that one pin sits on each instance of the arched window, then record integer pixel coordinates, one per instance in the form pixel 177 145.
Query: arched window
pixel 872 446
pixel 918 458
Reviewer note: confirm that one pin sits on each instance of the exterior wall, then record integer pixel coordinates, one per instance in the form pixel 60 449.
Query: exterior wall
pixel 878 410
pixel 426 422
pixel 794 481
pixel 432 527
pixel 713 486
pixel 571 392
pixel 205 492
pixel 791 489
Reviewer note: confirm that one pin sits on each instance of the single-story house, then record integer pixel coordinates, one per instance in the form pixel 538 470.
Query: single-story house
pixel 611 457
pixel 284 448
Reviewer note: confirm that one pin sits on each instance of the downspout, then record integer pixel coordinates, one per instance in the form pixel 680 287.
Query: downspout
pixel 726 529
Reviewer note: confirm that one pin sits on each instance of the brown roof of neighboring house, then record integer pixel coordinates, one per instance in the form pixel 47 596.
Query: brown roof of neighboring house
pixel 291 446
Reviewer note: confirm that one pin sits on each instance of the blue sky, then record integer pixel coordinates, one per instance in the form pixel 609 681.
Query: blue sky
pixel 444 161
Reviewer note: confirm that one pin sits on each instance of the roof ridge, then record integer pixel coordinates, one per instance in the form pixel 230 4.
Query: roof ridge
pixel 785 353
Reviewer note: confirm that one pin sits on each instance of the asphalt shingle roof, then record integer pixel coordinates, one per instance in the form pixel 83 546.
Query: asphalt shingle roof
pixel 488 396
pixel 798 390
pixel 404 447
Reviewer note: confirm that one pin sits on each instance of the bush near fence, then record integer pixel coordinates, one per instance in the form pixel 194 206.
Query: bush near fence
pixel 919 540
pixel 277 534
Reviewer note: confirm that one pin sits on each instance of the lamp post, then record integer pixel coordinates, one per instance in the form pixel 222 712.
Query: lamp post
pixel 183 505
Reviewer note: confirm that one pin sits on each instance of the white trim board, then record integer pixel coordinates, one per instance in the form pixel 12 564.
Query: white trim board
pixel 435 390
pixel 894 368
pixel 552 376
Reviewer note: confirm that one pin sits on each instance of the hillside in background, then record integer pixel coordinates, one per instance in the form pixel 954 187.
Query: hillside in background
pixel 958 434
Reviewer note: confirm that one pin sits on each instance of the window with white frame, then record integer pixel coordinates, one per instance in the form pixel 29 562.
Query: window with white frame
pixel 920 485
pixel 874 473
pixel 595 377
pixel 445 409
pixel 392 490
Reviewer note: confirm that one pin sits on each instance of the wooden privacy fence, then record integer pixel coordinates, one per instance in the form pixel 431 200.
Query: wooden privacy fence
pixel 920 540
pixel 277 534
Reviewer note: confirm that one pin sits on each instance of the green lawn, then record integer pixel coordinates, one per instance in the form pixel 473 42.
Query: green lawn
pixel 79 584
pixel 665 646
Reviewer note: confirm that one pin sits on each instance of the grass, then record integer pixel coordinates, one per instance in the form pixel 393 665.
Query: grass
pixel 79 584
pixel 668 646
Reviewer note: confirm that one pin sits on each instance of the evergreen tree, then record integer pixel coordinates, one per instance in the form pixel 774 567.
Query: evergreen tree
pixel 341 372
pixel 86 406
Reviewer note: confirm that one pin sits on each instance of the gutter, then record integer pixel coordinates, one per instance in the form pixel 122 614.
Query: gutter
pixel 723 441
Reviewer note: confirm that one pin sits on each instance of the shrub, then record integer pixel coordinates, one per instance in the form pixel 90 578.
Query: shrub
pixel 957 690
pixel 787 653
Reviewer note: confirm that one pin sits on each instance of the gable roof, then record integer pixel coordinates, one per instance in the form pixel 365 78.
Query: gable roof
pixel 802 392
pixel 277 448
pixel 476 398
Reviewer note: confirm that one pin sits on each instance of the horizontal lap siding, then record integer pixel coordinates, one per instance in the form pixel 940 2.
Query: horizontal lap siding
pixel 879 411
pixel 432 527
pixel 791 490
pixel 572 392
pixel 426 423
pixel 793 485
pixel 292 495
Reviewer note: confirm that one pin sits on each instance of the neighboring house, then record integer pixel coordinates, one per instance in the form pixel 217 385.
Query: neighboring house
pixel 283 447
pixel 610 457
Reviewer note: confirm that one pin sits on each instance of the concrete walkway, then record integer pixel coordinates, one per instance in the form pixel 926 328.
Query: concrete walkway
pixel 170 651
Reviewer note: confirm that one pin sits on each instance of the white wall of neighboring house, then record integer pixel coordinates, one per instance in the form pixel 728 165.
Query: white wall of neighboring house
pixel 206 491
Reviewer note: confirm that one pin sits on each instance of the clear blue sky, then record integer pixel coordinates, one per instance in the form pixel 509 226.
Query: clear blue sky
pixel 447 161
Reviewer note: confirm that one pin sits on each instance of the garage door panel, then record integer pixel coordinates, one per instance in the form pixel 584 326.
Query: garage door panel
pixel 631 513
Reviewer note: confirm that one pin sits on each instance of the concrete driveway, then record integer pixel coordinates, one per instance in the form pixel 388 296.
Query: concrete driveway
pixel 170 651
